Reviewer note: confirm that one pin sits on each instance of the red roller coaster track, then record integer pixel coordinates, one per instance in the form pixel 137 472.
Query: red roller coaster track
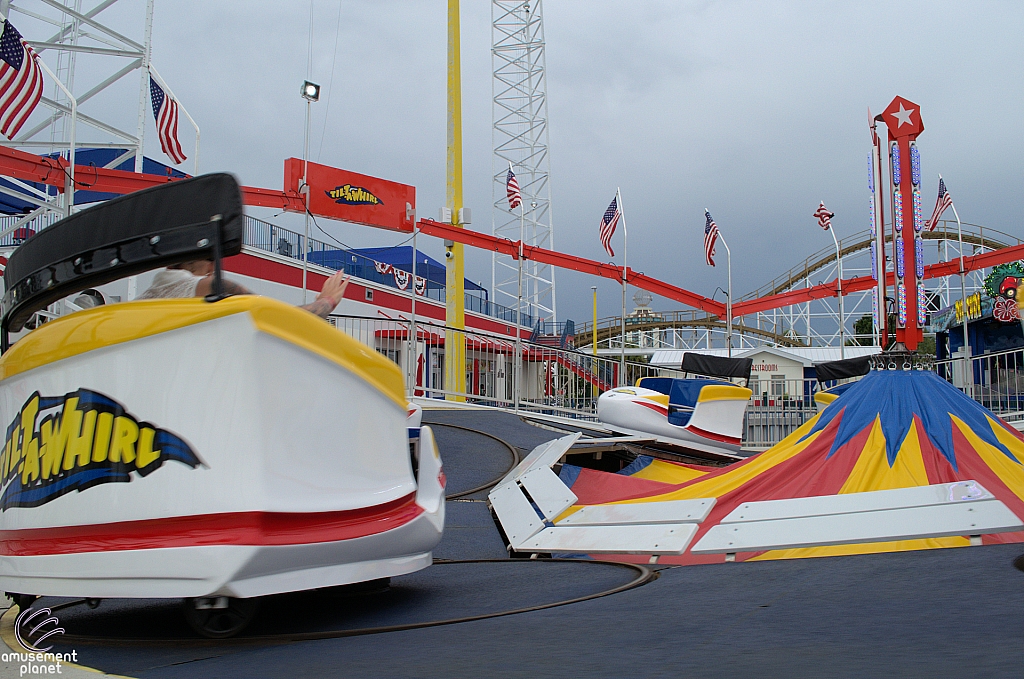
pixel 53 172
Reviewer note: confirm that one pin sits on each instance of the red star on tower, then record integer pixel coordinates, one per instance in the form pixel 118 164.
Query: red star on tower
pixel 903 118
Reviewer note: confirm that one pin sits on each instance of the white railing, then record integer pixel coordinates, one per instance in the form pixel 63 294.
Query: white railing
pixel 554 380
pixel 996 380
pixel 777 408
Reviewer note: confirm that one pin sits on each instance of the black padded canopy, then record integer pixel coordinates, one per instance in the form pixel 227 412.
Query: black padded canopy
pixel 841 370
pixel 717 366
pixel 198 218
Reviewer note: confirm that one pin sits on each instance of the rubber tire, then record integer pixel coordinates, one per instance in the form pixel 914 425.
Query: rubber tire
pixel 220 623
pixel 1018 563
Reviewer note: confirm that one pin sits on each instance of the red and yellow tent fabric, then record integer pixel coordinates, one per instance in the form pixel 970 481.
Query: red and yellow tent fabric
pixel 892 429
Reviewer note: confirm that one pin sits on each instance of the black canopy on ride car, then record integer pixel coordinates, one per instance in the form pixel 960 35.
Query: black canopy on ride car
pixel 197 218
pixel 716 366
pixel 844 369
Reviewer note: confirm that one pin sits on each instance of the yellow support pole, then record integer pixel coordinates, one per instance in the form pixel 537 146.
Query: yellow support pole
pixel 455 292
pixel 594 335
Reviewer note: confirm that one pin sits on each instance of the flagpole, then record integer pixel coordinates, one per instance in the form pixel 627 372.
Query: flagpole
pixel 968 368
pixel 69 193
pixel 728 301
pixel 625 253
pixel 518 376
pixel 883 312
pixel 147 55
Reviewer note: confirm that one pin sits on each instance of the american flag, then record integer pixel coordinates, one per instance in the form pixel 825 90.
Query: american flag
pixel 608 224
pixel 942 203
pixel 165 110
pixel 823 216
pixel 21 81
pixel 515 198
pixel 710 237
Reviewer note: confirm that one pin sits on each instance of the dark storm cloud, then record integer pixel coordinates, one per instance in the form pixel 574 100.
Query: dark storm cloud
pixel 755 110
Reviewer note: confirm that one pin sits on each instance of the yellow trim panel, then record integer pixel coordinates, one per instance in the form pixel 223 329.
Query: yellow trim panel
pixel 723 392
pixel 824 398
pixel 305 330
pixel 105 326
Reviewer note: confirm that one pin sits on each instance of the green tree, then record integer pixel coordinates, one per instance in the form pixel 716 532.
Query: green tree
pixel 864 325
pixel 927 346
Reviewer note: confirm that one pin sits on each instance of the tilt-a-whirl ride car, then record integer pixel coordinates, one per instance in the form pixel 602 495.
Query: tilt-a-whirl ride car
pixel 215 450
pixel 702 413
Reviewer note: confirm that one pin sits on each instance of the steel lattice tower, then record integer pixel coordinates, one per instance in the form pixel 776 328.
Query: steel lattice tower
pixel 79 34
pixel 520 137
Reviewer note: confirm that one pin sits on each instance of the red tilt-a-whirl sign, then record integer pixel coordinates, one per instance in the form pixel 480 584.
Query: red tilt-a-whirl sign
pixel 353 197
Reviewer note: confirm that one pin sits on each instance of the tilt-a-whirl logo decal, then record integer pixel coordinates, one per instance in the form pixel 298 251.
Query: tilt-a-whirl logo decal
pixel 59 444
pixel 346 194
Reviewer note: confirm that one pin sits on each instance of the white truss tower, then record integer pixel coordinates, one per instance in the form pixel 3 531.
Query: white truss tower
pixel 78 38
pixel 520 137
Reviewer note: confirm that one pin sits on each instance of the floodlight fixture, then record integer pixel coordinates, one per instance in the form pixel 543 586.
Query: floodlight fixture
pixel 310 91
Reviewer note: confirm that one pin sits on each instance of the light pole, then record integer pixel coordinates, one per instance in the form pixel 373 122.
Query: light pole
pixel 593 334
pixel 310 92
pixel 625 252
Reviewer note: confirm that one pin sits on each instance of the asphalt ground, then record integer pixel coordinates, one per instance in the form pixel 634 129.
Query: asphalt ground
pixel 938 613
pixel 509 427
pixel 471 460
pixel 941 613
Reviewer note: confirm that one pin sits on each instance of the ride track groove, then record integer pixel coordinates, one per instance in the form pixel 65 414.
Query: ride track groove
pixel 642 575
pixel 756 621
pixel 516 458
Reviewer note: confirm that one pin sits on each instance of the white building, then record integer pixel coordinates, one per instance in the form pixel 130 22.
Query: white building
pixel 776 373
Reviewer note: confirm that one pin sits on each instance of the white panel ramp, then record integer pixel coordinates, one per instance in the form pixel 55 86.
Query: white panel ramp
pixel 516 514
pixel 548 492
pixel 942 510
pixel 531 497
pixel 673 511
pixel 852 503
pixel 657 539
pixel 544 455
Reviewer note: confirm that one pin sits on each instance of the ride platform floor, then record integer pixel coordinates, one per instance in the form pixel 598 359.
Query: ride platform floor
pixel 940 613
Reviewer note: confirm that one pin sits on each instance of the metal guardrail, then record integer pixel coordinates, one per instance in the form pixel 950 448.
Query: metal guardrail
pixel 567 382
pixel 996 380
pixel 554 381
pixel 777 408
pixel 19 235
pixel 272 238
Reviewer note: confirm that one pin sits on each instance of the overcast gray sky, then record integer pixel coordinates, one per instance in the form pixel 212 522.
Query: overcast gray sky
pixel 755 110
